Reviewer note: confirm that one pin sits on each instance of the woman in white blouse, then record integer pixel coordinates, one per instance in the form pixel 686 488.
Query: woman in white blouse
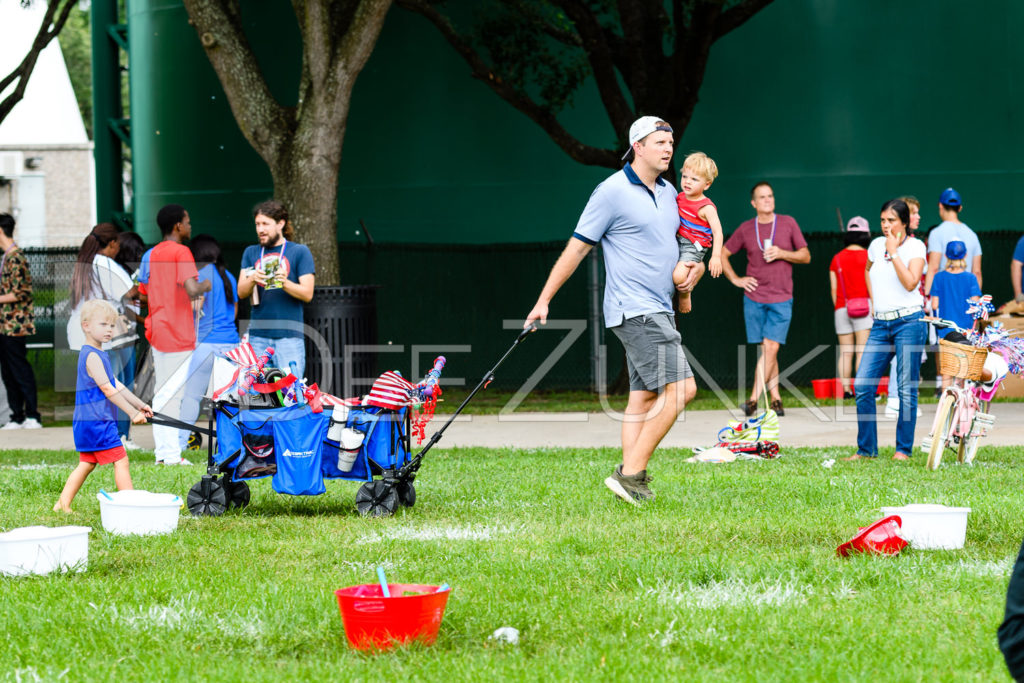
pixel 895 263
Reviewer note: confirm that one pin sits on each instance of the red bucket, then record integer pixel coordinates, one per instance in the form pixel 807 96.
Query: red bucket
pixel 373 622
pixel 827 388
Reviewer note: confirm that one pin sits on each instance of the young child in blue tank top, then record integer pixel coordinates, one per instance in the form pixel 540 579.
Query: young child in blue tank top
pixel 98 394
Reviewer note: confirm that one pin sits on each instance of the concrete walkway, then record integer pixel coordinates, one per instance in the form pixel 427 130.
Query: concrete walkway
pixel 826 426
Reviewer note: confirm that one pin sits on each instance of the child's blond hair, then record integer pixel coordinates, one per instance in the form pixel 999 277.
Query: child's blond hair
pixel 957 263
pixel 98 309
pixel 703 165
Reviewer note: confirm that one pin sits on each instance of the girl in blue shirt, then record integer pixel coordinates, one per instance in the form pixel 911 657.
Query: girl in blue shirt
pixel 217 330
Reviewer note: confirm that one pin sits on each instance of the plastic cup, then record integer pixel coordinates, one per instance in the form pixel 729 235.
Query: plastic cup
pixel 347 460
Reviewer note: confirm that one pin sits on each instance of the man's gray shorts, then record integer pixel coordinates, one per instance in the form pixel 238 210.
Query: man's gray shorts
pixel 654 353
pixel 690 251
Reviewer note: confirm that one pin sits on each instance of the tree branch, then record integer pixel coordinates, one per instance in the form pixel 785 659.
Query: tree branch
pixel 578 151
pixel 48 30
pixel 357 43
pixel 258 113
pixel 602 62
pixel 736 16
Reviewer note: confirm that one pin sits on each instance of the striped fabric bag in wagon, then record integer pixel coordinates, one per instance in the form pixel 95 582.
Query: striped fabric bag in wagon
pixel 391 391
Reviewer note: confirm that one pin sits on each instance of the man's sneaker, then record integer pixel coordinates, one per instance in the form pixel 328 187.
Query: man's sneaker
pixel 183 461
pixel 632 488
pixel 31 423
pixel 11 425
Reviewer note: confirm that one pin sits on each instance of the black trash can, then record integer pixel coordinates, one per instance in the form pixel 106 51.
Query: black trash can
pixel 343 318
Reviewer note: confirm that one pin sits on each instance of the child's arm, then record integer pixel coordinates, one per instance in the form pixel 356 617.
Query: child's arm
pixel 116 392
pixel 710 214
pixel 935 303
pixel 833 285
pixel 133 399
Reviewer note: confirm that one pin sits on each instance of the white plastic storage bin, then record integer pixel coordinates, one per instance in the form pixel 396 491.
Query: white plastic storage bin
pixel 43 549
pixel 139 512
pixel 931 527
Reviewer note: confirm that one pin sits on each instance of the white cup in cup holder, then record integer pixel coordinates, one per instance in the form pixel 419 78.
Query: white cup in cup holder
pixel 350 440
pixel 338 418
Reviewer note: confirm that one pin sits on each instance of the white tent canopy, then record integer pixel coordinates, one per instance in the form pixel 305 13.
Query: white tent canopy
pixel 48 114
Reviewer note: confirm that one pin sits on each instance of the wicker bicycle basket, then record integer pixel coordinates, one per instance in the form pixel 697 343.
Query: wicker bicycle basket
pixel 961 360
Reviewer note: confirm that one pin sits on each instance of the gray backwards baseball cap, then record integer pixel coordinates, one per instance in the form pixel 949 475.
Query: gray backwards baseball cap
pixel 644 126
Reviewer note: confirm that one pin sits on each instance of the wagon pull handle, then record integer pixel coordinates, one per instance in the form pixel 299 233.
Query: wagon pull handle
pixel 526 331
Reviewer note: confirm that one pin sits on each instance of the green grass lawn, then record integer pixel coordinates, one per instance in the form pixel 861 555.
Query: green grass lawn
pixel 730 574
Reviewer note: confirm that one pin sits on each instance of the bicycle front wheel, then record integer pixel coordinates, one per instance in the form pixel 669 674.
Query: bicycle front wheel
pixel 943 430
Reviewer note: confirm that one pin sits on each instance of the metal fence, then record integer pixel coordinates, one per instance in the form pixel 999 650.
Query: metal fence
pixel 52 269
pixel 466 301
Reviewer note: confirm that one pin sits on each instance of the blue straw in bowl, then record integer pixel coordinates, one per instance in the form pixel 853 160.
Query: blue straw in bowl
pixel 442 588
pixel 106 495
pixel 383 582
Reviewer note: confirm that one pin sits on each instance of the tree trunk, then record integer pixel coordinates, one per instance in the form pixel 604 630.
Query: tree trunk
pixel 301 144
pixel 310 192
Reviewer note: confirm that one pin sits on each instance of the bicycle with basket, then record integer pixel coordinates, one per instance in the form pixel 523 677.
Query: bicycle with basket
pixel 962 417
pixel 266 424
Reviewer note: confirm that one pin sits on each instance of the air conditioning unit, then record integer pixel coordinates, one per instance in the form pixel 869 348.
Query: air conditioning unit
pixel 12 164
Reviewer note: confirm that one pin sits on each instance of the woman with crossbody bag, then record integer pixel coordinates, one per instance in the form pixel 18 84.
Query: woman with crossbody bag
pixel 850 299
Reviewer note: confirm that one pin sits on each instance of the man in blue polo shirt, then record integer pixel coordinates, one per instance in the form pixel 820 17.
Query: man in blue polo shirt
pixel 633 215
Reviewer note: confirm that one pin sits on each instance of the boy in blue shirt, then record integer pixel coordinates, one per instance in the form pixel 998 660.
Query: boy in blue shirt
pixel 952 288
pixel 98 394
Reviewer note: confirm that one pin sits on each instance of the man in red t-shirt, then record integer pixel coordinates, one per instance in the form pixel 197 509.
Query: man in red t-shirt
pixel 773 243
pixel 170 281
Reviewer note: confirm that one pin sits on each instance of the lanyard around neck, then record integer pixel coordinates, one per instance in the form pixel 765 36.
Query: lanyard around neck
pixel 757 229
pixel 284 243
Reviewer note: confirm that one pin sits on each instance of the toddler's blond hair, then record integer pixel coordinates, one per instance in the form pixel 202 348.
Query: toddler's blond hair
pixel 98 309
pixel 958 263
pixel 703 164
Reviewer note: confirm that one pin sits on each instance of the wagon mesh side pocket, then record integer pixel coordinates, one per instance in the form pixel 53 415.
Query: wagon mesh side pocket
pixel 257 458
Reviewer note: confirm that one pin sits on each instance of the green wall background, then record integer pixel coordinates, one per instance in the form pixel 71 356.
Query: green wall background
pixel 839 104
pixel 825 98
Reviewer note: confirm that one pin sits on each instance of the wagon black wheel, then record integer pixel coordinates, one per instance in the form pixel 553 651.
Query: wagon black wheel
pixel 406 493
pixel 207 498
pixel 376 499
pixel 237 492
pixel 195 441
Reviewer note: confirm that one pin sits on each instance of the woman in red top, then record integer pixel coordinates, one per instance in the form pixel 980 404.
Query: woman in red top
pixel 847 275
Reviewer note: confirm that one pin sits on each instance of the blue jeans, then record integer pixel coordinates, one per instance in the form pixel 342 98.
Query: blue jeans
pixel 286 349
pixel 905 338
pixel 200 367
pixel 122 362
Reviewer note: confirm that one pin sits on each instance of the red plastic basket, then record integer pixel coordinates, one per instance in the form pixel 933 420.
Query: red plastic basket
pixel 833 388
pixel 827 388
pixel 373 622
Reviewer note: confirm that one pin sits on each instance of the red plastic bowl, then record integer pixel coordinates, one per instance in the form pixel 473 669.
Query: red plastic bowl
pixel 881 538
pixel 373 622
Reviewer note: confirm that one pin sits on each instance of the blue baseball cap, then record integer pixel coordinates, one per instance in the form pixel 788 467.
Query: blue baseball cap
pixel 956 250
pixel 949 197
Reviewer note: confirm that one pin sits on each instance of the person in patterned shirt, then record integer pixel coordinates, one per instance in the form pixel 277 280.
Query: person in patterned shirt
pixel 16 323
